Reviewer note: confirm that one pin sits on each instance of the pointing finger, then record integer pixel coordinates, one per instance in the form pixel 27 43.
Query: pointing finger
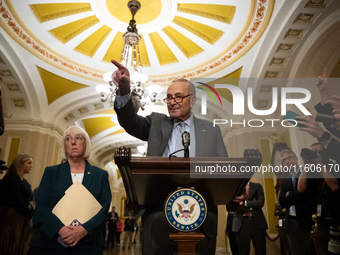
pixel 118 65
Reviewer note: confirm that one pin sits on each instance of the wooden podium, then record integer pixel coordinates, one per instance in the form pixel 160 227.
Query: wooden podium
pixel 149 180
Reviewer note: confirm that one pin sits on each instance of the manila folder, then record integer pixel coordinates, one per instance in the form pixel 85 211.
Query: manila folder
pixel 77 203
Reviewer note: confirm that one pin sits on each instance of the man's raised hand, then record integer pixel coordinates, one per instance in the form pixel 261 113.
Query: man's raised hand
pixel 121 78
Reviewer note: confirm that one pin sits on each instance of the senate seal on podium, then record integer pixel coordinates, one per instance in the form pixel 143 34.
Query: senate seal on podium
pixel 185 209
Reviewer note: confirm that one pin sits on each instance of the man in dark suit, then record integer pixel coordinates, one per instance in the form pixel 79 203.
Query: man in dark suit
pixel 112 227
pixel 327 196
pixel 249 222
pixel 162 133
pixel 299 206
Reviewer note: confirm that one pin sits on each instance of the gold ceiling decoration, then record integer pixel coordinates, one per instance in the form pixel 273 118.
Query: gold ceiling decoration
pixel 57 86
pixel 151 10
pixel 47 12
pixel 224 13
pixel 70 30
pixel 96 125
pixel 172 34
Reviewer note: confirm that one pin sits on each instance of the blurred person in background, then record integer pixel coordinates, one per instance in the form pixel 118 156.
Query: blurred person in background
pixel 327 196
pixel 299 206
pixel 129 229
pixel 15 211
pixel 120 227
pixel 249 223
pixel 112 227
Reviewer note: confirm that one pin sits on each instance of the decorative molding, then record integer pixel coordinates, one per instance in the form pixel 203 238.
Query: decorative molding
pixel 198 33
pixel 29 44
pixel 58 15
pixel 216 116
pixel 108 147
pixel 305 18
pixel 96 47
pixel 2 63
pixel 13 88
pixel 278 62
pixel 232 54
pixel 260 20
pixel 209 15
pixel 178 43
pixel 294 34
pixel 285 48
pixel 69 117
pixel 83 110
pixel 316 4
pixel 18 103
pixel 271 75
pixel 98 152
pixel 34 126
pixel 266 89
pixel 263 104
pixel 7 74
pixel 75 33
pixel 98 106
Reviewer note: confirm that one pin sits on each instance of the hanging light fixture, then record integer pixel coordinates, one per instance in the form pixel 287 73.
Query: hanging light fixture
pixel 131 39
pixel 138 78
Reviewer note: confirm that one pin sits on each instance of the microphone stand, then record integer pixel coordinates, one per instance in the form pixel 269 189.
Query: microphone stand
pixel 186 143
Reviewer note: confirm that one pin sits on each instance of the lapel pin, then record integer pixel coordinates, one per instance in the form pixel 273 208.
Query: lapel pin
pixel 203 130
pixel 88 172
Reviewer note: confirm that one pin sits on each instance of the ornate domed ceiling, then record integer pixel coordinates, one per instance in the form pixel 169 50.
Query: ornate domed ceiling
pixel 178 38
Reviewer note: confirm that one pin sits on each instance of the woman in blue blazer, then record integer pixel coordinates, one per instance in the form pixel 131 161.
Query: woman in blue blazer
pixel 86 238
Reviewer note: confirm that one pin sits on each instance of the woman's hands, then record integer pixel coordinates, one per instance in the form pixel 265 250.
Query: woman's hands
pixel 72 234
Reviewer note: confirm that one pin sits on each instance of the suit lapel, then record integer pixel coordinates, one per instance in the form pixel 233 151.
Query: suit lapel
pixel 251 190
pixel 66 174
pixel 88 175
pixel 166 129
pixel 200 133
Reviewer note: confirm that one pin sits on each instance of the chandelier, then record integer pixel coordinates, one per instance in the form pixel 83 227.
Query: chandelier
pixel 139 93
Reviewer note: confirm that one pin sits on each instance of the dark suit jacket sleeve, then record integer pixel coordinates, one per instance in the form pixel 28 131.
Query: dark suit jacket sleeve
pixel 11 185
pixel 294 195
pixel 258 201
pixel 95 225
pixel 283 200
pixel 48 223
pixel 327 109
pixel 333 150
pixel 134 124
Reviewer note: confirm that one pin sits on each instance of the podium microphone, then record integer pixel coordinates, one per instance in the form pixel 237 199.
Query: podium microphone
pixel 186 143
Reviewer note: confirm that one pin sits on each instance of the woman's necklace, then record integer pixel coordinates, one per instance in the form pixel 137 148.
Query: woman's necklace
pixel 77 177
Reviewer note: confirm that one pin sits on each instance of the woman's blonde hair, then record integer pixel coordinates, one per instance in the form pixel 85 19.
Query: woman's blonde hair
pixel 18 162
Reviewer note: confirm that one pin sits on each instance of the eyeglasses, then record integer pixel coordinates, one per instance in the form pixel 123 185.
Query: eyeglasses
pixel 178 99
pixel 77 138
pixel 288 158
